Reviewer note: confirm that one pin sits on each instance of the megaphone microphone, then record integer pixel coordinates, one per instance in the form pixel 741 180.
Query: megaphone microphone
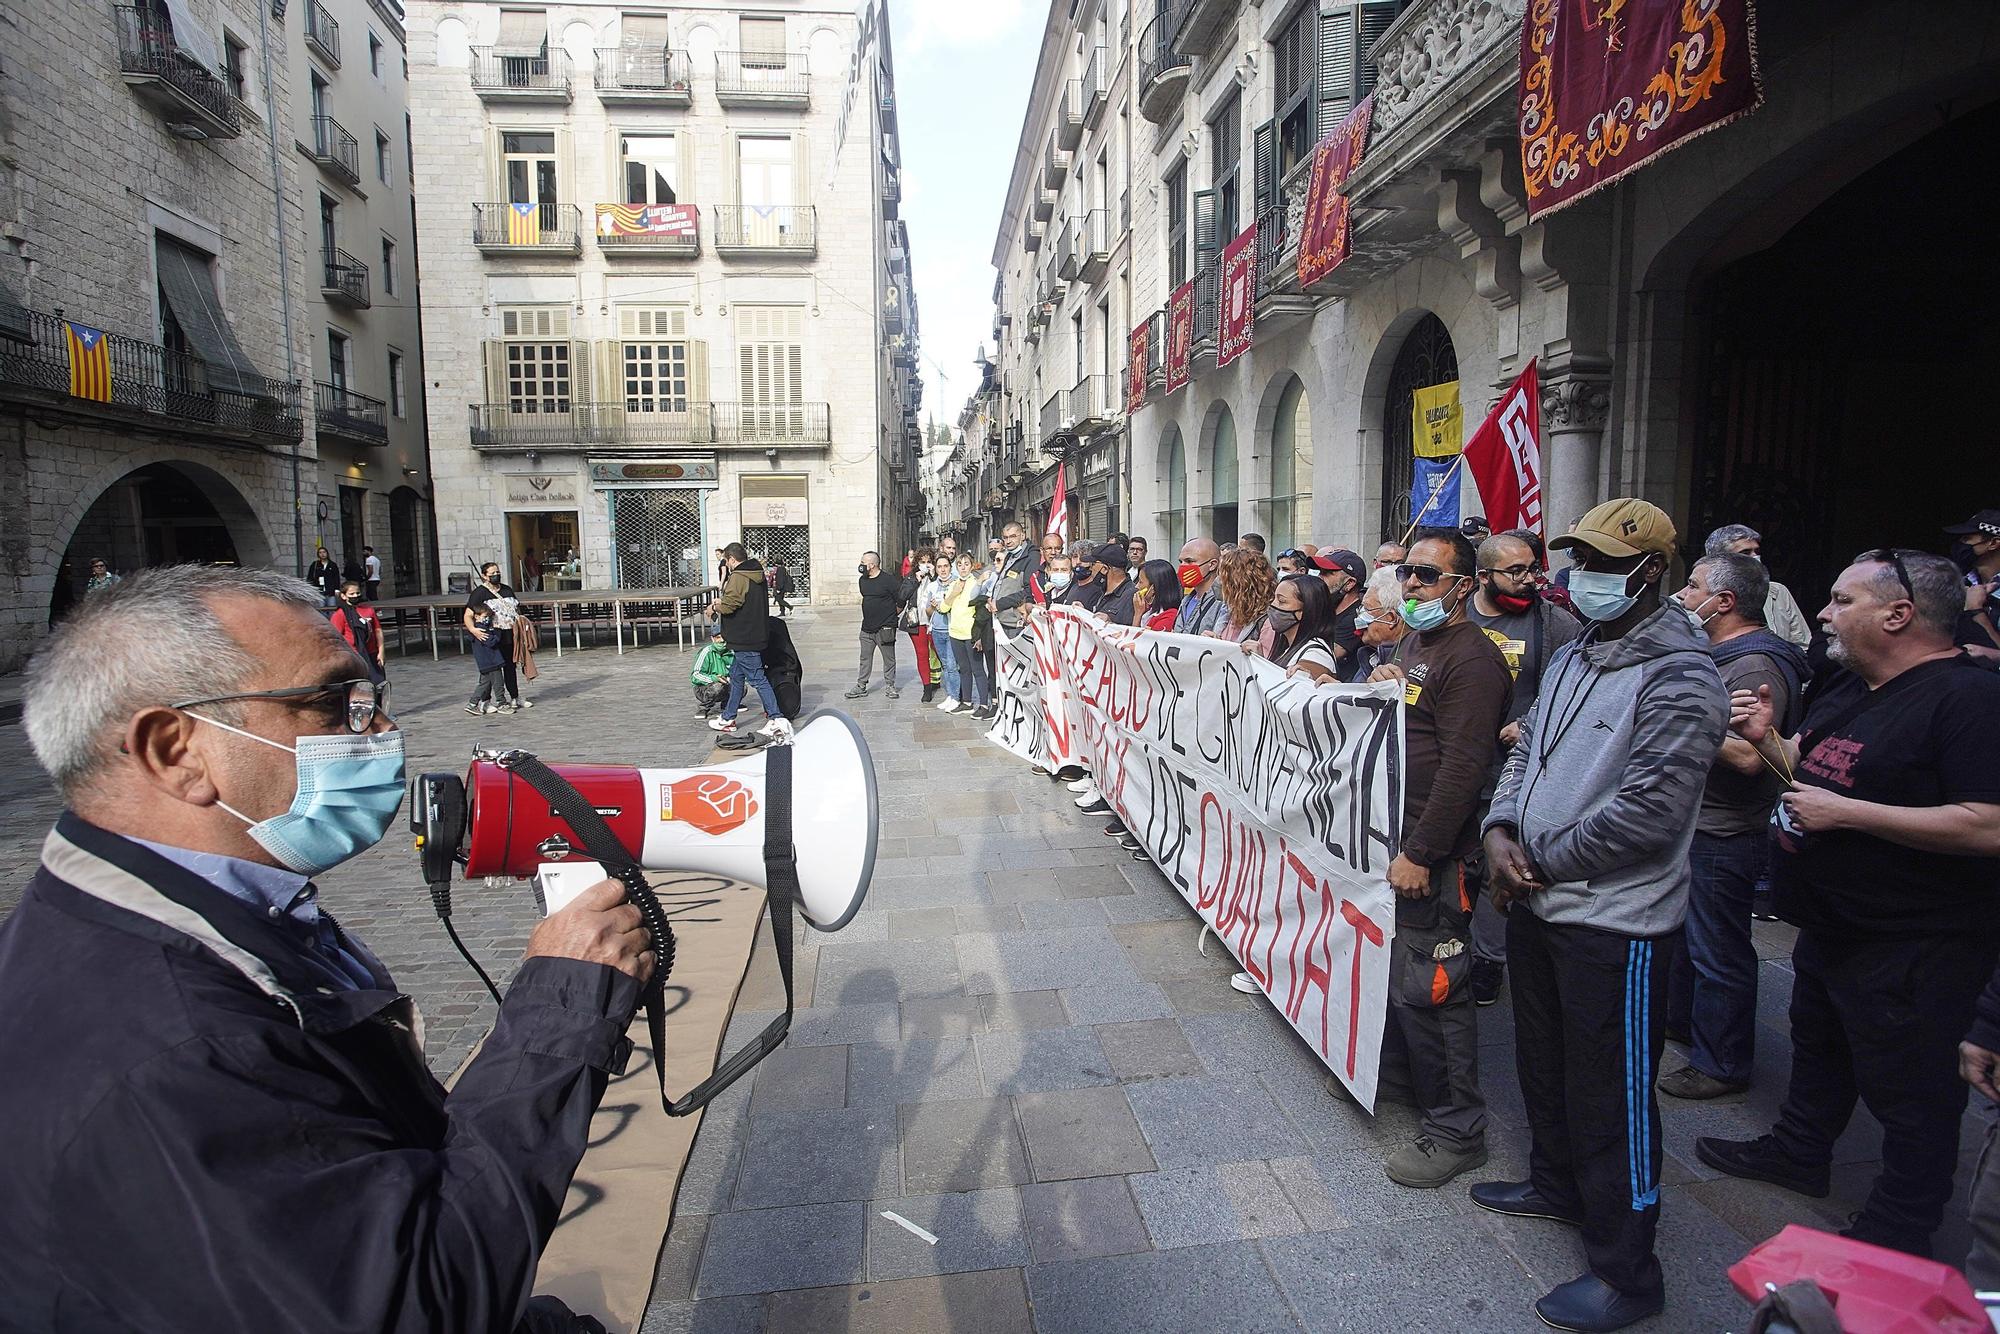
pixel 568 826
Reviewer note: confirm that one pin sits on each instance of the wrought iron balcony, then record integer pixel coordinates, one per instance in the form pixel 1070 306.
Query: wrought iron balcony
pixel 322 33
pixel 892 189
pixel 1044 205
pixel 1069 113
pixel 762 79
pixel 1207 304
pixel 335 149
pixel 759 424
pixel 146 385
pixel 683 239
pixel 1056 421
pixel 344 279
pixel 500 229
pixel 1156 347
pixel 642 76
pixel 766 229
pixel 502 426
pixel 194 103
pixel 1163 69
pixel 339 411
pixel 1095 72
pixel 1031 234
pixel 515 76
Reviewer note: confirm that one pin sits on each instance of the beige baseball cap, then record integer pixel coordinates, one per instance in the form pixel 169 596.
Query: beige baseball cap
pixel 1623 527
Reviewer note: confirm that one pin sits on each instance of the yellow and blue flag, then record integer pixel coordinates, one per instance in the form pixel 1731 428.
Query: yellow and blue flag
pixel 89 362
pixel 524 224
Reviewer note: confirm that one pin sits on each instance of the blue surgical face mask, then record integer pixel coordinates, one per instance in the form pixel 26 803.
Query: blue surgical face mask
pixel 1601 597
pixel 350 787
pixel 1059 579
pixel 1362 620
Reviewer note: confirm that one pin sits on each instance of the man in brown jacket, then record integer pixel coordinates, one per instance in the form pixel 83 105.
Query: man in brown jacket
pixel 1456 688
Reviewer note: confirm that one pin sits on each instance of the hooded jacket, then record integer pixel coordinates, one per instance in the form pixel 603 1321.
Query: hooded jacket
pixel 1603 787
pixel 744 609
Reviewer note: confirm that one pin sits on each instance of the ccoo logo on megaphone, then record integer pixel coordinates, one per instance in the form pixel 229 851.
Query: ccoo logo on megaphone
pixel 713 803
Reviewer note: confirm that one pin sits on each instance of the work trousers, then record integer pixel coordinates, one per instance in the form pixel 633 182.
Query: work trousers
pixel 1881 1020
pixel 1431 1040
pixel 872 642
pixel 1588 1027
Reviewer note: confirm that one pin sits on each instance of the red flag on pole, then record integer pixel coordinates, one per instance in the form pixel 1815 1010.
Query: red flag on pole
pixel 1505 456
pixel 1059 509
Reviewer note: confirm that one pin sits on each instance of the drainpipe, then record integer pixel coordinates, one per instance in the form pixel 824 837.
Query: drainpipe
pixel 284 280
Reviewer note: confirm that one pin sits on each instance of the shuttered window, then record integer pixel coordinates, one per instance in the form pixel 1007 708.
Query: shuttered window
pixel 523 32
pixel 1294 78
pixel 1177 225
pixel 535 358
pixel 762 41
pixel 770 354
pixel 645 32
pixel 654 356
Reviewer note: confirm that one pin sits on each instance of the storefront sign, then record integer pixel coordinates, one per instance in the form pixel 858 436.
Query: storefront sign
pixel 1323 240
pixel 1239 306
pixel 540 490
pixel 1180 336
pixel 694 470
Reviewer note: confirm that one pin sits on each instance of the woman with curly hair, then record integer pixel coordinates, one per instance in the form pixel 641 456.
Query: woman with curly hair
pixel 1246 581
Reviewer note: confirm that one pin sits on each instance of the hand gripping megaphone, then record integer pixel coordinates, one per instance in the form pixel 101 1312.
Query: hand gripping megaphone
pixel 570 825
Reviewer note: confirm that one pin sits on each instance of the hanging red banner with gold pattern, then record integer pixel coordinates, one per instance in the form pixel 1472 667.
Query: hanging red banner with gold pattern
pixel 1180 336
pixel 1323 235
pixel 1135 366
pixel 1239 305
pixel 1607 85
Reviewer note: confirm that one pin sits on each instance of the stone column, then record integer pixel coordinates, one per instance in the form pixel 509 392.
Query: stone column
pixel 1574 410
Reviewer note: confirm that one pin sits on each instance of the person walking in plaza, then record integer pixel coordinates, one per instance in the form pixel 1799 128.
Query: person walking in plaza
pixel 1157 601
pixel 1587 850
pixel 781 588
pixel 1455 688
pixel 371 573
pixel 1202 608
pixel 498 598
pixel 1114 575
pixel 743 613
pixel 1713 992
pixel 1782 616
pixel 356 622
pixel 324 575
pixel 1886 855
pixel 1528 631
pixel 881 601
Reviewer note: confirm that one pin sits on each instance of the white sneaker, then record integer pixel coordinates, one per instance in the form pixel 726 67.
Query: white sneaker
pixel 951 706
pixel 722 725
pixel 1246 984
pixel 944 705
pixel 1080 785
pixel 778 729
pixel 525 702
pixel 1088 797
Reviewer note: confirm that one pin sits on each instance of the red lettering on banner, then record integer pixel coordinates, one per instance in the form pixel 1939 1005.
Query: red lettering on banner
pixel 1364 929
pixel 1237 918
pixel 1317 971
pixel 1303 880
pixel 1209 889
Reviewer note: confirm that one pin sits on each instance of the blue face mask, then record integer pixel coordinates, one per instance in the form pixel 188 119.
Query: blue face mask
pixel 1059 579
pixel 350 787
pixel 1601 597
pixel 1362 620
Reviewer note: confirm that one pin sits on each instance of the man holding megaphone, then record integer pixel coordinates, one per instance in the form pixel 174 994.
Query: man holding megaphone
pixel 217 1108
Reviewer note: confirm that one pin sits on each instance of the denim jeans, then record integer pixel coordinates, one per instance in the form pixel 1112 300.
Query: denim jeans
pixel 1724 1013
pixel 748 666
pixel 946 658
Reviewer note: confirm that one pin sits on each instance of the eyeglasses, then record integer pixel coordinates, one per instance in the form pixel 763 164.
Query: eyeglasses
pixel 1511 571
pixel 354 703
pixel 1893 556
pixel 1425 575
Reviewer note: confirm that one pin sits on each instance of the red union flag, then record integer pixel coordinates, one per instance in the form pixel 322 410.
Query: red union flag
pixel 1505 455
pixel 1323 236
pixel 1239 305
pixel 1180 335
pixel 1135 370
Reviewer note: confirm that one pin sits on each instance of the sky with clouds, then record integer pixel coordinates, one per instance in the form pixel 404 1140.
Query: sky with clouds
pixel 963 68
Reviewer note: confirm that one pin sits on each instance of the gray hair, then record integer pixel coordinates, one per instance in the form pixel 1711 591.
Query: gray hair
pixel 1727 536
pixel 1387 588
pixel 1937 589
pixel 1744 576
pixel 145 643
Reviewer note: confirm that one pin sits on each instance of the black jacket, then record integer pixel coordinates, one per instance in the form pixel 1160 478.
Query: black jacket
pixel 744 609
pixel 881 598
pixel 325 576
pixel 202 1135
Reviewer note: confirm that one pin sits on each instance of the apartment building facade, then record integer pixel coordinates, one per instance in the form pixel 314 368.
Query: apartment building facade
pixel 152 344
pixel 349 121
pixel 667 290
pixel 1689 345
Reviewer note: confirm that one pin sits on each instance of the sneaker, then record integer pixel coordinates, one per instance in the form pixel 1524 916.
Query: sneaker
pixel 857 692
pixel 1424 1164
pixel 1588 1305
pixel 778 729
pixel 525 702
pixel 893 693
pixel 1115 828
pixel 947 705
pixel 1086 795
pixel 991 712
pixel 489 707
pixel 1246 984
pixel 722 725
pixel 1070 773
pixel 1761 1159
pixel 1486 978
pixel 504 708
pixel 474 708
pixel 1079 785
pixel 1697 1085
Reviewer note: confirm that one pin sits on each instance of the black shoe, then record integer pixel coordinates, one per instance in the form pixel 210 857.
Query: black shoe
pixel 1115 828
pixel 930 694
pixel 1099 806
pixel 1860 1228
pixel 1589 1305
pixel 987 713
pixel 1761 1159
pixel 1069 773
pixel 1520 1199
pixel 1487 975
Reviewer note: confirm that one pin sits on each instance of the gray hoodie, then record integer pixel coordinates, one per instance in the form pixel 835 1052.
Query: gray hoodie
pixel 1605 783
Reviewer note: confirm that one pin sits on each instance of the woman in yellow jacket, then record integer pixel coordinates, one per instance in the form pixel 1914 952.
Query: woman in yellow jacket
pixel 963 603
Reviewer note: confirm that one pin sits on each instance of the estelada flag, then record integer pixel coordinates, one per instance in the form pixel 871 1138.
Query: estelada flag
pixel 524 224
pixel 1059 510
pixel 1505 455
pixel 89 361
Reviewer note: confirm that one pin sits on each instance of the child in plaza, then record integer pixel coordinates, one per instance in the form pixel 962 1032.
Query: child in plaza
pixel 490 658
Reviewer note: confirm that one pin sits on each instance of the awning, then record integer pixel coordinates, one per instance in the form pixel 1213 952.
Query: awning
pixel 647 31
pixel 189 287
pixel 191 39
pixel 523 32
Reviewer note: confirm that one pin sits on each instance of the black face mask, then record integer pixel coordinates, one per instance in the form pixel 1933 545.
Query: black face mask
pixel 861 570
pixel 1963 557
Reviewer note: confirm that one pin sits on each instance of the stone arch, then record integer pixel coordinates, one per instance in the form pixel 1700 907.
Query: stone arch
pixel 1170 467
pixel 454 43
pixel 824 50
pixel 1385 420
pixel 1219 466
pixel 254 545
pixel 1284 482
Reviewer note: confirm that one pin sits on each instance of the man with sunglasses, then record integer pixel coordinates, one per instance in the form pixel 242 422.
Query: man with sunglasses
pixel 1887 858
pixel 1455 689
pixel 221 1109
pixel 1587 851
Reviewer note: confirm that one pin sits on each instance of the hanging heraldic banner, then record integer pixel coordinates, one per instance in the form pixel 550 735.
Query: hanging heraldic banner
pixel 1239 303
pixel 1606 88
pixel 1180 335
pixel 1323 239
pixel 1135 368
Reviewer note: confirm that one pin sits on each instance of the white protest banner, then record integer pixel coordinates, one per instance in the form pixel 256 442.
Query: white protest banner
pixel 1272 804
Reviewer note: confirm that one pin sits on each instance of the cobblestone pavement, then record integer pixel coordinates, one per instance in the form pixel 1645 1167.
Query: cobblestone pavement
pixel 1016 1046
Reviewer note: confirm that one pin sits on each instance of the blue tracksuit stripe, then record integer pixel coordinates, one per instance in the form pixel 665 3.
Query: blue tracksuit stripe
pixel 1639 1072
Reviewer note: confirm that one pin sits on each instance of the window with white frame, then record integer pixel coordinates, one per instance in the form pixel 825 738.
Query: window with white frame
pixel 535 358
pixel 651 168
pixel 654 357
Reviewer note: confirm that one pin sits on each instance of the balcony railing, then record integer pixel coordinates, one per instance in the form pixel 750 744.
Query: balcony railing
pixel 1069 113
pixel 1156 346
pixel 322 33
pixel 505 227
pixel 1276 267
pixel 1066 252
pixel 147 380
pixel 1090 246
pixel 1091 403
pixel 1055 167
pixel 762 78
pixel 516 76
pixel 1163 69
pixel 892 189
pixel 1054 420
pixel 335 149
pixel 339 411
pixel 1207 303
pixel 1094 71
pixel 344 279
pixel 642 74
pixel 766 229
pixel 194 102
pixel 744 425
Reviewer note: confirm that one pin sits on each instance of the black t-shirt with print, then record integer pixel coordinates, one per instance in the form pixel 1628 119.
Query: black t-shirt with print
pixel 1930 739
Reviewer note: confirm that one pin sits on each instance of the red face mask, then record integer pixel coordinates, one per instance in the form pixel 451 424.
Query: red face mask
pixel 1511 604
pixel 1190 576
